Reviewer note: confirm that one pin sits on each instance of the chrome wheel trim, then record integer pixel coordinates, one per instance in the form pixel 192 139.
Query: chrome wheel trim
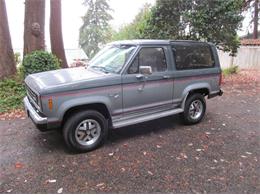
pixel 88 132
pixel 196 109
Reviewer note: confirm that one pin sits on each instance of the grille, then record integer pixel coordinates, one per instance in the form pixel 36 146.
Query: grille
pixel 32 94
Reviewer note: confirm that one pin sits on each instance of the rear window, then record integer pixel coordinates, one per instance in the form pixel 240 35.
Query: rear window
pixel 192 56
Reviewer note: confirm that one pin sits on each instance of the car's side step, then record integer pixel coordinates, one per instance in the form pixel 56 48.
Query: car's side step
pixel 132 121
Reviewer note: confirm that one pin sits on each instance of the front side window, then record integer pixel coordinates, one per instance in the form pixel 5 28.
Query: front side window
pixel 192 56
pixel 153 57
pixel 111 59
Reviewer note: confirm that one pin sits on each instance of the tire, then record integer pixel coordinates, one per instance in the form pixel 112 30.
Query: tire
pixel 85 131
pixel 195 108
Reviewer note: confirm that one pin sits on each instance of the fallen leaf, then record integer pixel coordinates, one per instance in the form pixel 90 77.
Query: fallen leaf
pixel 183 155
pixel 101 184
pixel 158 146
pixel 111 154
pixel 249 153
pixel 51 180
pixel 10 190
pixel 149 172
pixel 243 156
pixel 198 150
pixel 144 153
pixel 18 165
pixel 60 190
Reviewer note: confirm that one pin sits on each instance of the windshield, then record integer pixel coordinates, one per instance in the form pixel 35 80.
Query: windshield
pixel 112 58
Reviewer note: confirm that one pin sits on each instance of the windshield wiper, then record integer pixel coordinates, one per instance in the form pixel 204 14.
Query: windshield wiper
pixel 100 68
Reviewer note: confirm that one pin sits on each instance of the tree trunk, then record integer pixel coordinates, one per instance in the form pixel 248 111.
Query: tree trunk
pixel 34 22
pixel 256 11
pixel 57 46
pixel 7 63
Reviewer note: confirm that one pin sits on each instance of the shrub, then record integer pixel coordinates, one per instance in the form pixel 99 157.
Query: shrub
pixel 17 58
pixel 39 61
pixel 230 70
pixel 12 92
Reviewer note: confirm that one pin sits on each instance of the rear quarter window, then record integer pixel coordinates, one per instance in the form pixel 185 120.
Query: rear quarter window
pixel 192 56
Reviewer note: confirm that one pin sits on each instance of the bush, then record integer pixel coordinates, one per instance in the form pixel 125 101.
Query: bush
pixel 12 92
pixel 39 61
pixel 230 70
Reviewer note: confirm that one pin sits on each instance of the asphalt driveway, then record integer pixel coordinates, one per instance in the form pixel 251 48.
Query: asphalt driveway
pixel 219 155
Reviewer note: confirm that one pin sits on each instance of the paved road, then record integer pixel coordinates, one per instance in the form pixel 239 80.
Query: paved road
pixel 219 155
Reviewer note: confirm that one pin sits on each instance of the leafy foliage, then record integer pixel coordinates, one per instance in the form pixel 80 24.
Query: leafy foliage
pixel 39 61
pixel 12 92
pixel 230 70
pixel 252 7
pixel 17 58
pixel 95 30
pixel 214 21
pixel 134 30
pixel 167 19
pixel 217 21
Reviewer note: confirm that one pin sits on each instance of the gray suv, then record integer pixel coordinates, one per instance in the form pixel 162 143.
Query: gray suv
pixel 126 83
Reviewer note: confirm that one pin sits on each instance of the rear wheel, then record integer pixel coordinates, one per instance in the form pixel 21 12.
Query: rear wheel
pixel 85 131
pixel 195 108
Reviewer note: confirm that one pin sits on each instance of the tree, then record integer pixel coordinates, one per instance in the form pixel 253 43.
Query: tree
pixel 95 30
pixel 256 18
pixel 134 30
pixel 216 21
pixel 253 7
pixel 211 20
pixel 57 46
pixel 166 21
pixel 7 63
pixel 34 26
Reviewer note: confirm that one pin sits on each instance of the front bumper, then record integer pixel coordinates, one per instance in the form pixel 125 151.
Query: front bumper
pixel 38 120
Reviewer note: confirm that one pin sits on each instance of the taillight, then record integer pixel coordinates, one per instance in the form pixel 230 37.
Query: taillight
pixel 220 79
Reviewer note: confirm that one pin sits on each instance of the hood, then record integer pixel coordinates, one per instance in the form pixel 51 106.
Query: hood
pixel 62 78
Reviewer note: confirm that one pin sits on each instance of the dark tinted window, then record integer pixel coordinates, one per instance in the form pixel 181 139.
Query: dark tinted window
pixel 192 56
pixel 153 57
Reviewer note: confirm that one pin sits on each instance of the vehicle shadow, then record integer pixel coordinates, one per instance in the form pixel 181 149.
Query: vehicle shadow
pixel 53 140
pixel 142 129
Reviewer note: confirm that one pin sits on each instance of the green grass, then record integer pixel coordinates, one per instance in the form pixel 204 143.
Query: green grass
pixel 12 92
pixel 229 71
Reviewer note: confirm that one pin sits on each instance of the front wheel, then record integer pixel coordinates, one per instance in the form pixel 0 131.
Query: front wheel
pixel 195 108
pixel 85 131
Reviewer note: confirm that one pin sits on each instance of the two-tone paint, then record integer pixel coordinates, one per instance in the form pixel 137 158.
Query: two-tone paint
pixel 129 98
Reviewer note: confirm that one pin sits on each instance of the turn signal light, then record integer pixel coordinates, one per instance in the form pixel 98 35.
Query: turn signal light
pixel 50 104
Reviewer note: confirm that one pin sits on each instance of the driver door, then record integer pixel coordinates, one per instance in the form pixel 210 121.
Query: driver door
pixel 144 93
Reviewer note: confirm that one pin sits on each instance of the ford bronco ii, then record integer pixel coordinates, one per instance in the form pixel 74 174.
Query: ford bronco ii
pixel 126 83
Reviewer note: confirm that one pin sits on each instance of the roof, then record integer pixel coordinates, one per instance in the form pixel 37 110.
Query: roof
pixel 252 42
pixel 151 42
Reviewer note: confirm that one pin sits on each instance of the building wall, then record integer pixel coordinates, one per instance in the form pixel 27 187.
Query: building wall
pixel 248 57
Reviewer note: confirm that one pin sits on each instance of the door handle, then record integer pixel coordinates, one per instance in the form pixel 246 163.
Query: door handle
pixel 166 77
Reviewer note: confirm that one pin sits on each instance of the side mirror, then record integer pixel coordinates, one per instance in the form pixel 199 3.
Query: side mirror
pixel 146 70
